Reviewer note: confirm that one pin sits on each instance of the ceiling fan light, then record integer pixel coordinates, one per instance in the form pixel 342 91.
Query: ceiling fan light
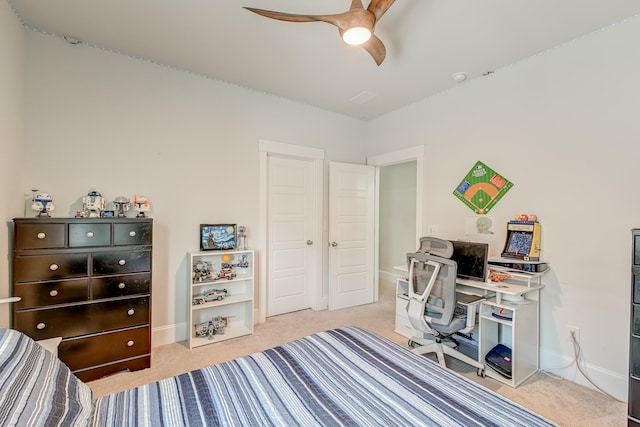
pixel 356 35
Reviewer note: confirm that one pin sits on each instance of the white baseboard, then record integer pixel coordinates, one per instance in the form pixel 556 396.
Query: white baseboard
pixel 388 278
pixel 614 383
pixel 168 334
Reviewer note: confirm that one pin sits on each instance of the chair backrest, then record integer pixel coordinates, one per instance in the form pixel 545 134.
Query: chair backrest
pixel 432 285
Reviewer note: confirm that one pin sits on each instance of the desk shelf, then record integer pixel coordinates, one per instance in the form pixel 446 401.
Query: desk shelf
pixel 520 333
pixel 403 326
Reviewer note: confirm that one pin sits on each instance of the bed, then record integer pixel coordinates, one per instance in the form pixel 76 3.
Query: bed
pixel 346 376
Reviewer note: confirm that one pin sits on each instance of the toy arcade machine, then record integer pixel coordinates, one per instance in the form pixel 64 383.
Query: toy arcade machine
pixel 523 239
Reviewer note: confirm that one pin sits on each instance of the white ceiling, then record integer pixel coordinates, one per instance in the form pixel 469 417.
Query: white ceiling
pixel 426 40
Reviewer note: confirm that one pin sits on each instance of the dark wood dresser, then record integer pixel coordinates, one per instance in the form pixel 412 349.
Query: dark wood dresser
pixel 87 280
pixel 634 345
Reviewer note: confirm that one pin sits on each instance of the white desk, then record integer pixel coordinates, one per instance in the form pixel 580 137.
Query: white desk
pixel 508 315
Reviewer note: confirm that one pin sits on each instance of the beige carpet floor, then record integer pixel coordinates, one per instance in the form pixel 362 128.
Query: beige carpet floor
pixel 561 401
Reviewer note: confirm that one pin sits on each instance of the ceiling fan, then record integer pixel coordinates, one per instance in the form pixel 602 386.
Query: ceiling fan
pixel 355 26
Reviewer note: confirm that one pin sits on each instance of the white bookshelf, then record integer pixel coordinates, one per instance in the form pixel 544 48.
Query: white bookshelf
pixel 236 309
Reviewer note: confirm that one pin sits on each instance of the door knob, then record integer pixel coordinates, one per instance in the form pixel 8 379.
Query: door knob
pixel 309 242
pixel 334 244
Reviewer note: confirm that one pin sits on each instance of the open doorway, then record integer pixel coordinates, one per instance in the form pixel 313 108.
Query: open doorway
pixel 397 225
pixel 399 177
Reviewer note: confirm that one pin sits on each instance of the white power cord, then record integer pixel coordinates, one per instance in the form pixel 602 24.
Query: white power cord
pixel 577 354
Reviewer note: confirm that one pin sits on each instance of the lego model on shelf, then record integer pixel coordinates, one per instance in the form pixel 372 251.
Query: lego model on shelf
pixel 221 288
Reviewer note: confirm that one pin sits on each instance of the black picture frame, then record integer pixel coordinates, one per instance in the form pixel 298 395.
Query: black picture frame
pixel 218 237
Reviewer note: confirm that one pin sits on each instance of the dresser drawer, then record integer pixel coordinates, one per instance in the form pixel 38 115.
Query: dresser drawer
pixel 33 268
pixel 634 356
pixel 75 320
pixel 82 235
pixel 40 236
pixel 634 397
pixel 51 293
pixel 118 286
pixel 80 353
pixel 129 233
pixel 121 262
pixel 94 373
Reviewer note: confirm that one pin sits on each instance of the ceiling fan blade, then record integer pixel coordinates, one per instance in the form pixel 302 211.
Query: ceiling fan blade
pixel 376 49
pixel 379 7
pixel 356 4
pixel 337 19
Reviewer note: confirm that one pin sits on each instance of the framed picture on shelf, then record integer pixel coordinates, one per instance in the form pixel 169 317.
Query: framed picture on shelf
pixel 217 237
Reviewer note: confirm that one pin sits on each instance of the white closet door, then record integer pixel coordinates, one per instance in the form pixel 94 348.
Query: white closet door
pixel 351 234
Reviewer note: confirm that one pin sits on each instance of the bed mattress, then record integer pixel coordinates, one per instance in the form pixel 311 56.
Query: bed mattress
pixel 342 377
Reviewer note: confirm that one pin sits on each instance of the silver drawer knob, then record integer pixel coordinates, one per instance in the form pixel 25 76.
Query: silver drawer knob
pixel 121 285
pixel 41 235
pixel 131 312
pixel 132 233
pixel 41 325
pixel 53 292
pixel 122 262
pixel 89 234
pixel 130 343
pixel 54 267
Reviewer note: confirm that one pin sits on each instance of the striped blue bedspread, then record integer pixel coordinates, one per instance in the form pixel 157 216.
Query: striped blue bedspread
pixel 36 388
pixel 346 376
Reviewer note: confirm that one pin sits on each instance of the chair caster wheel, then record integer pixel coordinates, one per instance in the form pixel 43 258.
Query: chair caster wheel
pixel 481 373
pixel 412 344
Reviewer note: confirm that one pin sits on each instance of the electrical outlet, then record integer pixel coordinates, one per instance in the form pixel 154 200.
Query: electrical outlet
pixel 576 333
pixel 432 229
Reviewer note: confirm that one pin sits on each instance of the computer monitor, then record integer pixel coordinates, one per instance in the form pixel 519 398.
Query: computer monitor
pixel 472 259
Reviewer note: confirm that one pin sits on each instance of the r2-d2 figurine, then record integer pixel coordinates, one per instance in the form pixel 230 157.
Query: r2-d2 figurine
pixel 93 204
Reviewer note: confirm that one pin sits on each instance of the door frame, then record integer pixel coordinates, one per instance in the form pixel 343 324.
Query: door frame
pixel 401 156
pixel 316 155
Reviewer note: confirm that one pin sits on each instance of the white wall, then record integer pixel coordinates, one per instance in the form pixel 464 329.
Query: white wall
pixel 12 69
pixel 104 121
pixel 563 127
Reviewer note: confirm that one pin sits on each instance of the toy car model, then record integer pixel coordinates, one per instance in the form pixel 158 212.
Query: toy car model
pixel 214 295
pixel 213 327
pixel 226 272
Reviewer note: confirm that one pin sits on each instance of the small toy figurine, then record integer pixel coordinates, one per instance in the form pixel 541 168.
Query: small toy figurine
pixel 243 263
pixel 121 205
pixel 242 237
pixel 142 205
pixel 43 203
pixel 93 204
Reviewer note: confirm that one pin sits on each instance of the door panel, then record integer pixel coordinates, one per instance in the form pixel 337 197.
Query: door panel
pixel 290 226
pixel 351 235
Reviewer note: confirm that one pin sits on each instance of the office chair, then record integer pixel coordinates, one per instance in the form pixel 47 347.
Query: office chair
pixel 432 302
